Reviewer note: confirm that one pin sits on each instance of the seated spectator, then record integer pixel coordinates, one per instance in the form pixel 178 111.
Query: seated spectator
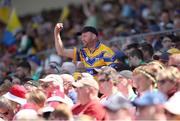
pixel 37 98
pixel 167 80
pixel 135 58
pixel 68 88
pixel 148 106
pixel 143 80
pixel 147 50
pixel 23 71
pixel 26 115
pixel 68 68
pixel 124 84
pixel 6 110
pixel 87 89
pixel 119 108
pixel 17 97
pixel 61 112
pixel 6 85
pixel 167 42
pixel 107 83
pixel 174 60
pixel 50 83
pixel 53 68
pixel 31 85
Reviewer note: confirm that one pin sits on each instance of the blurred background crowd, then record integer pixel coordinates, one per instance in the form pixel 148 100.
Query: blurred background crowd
pixel 145 36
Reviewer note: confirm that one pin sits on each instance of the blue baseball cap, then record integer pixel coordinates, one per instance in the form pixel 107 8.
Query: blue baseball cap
pixel 116 102
pixel 150 98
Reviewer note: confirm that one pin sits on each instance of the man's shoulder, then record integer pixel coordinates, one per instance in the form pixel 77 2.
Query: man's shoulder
pixel 105 47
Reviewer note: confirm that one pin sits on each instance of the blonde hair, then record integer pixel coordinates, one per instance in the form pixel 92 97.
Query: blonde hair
pixel 62 112
pixel 147 72
pixel 170 73
pixel 37 97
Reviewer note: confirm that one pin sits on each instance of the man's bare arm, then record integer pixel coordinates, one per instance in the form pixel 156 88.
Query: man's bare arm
pixel 59 44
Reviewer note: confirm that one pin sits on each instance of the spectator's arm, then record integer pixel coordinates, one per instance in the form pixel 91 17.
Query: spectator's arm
pixel 59 44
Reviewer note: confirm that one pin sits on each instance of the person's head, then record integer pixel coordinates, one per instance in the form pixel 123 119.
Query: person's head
pixel 36 97
pixel 53 68
pixel 51 82
pixel 135 57
pixel 106 78
pixel 124 82
pixel 61 112
pixel 149 106
pixel 118 108
pixel 31 85
pixel 68 68
pixel 176 22
pixel 167 80
pixel 26 115
pixel 23 70
pixel 143 79
pixel 5 86
pixel 174 60
pixel 6 110
pixel 167 42
pixel 17 96
pixel 87 88
pixel 130 48
pixel 147 50
pixel 165 17
pixel 89 36
pixel 67 82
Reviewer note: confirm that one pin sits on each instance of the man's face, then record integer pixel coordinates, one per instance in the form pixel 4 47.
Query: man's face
pixel 47 87
pixel 132 61
pixel 20 72
pixel 86 38
pixel 82 93
pixel 166 42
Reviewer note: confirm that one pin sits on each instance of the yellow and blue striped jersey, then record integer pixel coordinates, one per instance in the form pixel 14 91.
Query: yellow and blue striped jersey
pixel 102 56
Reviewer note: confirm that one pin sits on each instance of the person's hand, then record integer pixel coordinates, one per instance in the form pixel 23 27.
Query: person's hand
pixel 58 27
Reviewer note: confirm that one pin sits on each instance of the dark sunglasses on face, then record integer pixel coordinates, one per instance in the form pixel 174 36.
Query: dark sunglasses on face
pixel 5 113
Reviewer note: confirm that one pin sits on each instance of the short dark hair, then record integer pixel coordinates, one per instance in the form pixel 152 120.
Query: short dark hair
pixel 25 64
pixel 88 29
pixel 138 53
pixel 147 47
pixel 133 45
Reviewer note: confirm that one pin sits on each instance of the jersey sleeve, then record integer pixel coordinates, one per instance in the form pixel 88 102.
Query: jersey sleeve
pixel 76 55
pixel 109 57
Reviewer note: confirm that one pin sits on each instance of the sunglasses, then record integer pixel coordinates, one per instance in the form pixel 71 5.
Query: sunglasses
pixel 178 65
pixel 44 85
pixel 5 113
pixel 164 81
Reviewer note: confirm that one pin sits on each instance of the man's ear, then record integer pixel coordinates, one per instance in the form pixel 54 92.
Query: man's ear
pixel 94 36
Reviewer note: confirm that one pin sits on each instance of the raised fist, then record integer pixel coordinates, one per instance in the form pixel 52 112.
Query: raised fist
pixel 58 27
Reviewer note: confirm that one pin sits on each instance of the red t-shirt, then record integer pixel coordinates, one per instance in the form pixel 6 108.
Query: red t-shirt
pixel 93 109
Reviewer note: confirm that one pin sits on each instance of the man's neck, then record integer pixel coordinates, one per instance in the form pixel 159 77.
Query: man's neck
pixel 92 47
pixel 87 100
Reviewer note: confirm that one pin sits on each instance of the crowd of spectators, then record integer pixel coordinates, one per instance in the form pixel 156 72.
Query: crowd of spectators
pixel 45 86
